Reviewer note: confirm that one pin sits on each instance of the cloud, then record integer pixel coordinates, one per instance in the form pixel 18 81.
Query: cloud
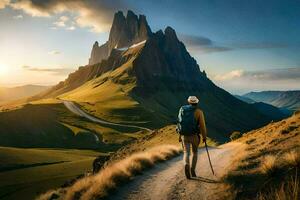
pixel 71 28
pixel 242 81
pixel 55 71
pixel 4 3
pixel 201 44
pixel 96 15
pixel 261 75
pixel 18 17
pixel 230 75
pixel 61 22
pixel 261 45
pixel 54 52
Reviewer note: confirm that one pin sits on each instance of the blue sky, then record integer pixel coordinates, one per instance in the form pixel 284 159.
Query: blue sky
pixel 242 45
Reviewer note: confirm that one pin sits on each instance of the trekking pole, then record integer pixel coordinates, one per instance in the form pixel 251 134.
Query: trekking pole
pixel 209 158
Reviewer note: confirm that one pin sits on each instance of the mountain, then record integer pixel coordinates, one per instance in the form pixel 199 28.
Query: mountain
pixel 124 32
pixel 282 99
pixel 14 93
pixel 271 111
pixel 245 99
pixel 267 109
pixel 146 81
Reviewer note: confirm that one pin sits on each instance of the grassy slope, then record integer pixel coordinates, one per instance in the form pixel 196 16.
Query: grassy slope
pixel 27 172
pixel 50 124
pixel 273 140
pixel 107 96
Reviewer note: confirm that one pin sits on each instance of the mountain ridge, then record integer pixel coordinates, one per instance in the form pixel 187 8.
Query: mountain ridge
pixel 283 99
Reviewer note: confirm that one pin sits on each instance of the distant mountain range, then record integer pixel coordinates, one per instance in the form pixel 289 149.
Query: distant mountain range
pixel 282 99
pixel 14 93
pixel 267 109
pixel 142 77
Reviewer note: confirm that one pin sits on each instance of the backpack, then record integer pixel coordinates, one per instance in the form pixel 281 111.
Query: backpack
pixel 187 124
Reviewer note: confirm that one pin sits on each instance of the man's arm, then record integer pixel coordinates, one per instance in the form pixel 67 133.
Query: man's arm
pixel 202 125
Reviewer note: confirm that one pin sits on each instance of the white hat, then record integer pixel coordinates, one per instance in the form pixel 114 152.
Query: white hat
pixel 193 99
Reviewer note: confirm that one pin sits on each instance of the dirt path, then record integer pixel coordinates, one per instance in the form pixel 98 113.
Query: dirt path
pixel 76 110
pixel 167 181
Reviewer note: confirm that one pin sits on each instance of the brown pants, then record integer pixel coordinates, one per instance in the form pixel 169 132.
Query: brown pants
pixel 191 141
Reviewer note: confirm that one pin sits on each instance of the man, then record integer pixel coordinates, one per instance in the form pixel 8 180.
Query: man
pixel 191 124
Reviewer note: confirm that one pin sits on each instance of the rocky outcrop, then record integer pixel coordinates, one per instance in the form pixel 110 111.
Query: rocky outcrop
pixel 98 53
pixel 165 56
pixel 125 31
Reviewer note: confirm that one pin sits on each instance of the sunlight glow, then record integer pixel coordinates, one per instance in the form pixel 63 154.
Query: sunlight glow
pixel 3 70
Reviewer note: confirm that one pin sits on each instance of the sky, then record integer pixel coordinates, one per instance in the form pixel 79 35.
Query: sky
pixel 242 45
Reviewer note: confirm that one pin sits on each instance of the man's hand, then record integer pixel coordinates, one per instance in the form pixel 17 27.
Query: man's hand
pixel 204 139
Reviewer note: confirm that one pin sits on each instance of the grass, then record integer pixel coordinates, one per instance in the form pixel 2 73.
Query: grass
pixel 292 158
pixel 269 165
pixel 269 169
pixel 110 177
pixel 52 125
pixel 27 172
pixel 289 190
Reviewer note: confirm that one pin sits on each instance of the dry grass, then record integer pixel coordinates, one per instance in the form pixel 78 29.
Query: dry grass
pixel 110 177
pixel 287 191
pixel 268 164
pixel 292 158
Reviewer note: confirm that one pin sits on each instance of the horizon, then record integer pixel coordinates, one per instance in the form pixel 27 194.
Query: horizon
pixel 244 51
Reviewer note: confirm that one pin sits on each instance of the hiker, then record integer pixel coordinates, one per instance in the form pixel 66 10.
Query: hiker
pixel 190 125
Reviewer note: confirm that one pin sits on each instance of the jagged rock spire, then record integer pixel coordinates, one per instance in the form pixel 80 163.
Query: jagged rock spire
pixel 124 32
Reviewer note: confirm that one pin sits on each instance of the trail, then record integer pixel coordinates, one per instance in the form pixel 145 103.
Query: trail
pixel 76 110
pixel 167 180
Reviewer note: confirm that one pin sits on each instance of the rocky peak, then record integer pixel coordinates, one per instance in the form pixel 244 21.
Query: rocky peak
pixel 128 30
pixel 124 32
pixel 165 57
pixel 170 33
pixel 96 44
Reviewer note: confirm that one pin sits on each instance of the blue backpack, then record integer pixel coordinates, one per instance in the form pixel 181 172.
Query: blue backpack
pixel 187 124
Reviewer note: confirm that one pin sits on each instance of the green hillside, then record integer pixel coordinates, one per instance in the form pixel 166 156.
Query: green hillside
pixel 53 125
pixel 24 173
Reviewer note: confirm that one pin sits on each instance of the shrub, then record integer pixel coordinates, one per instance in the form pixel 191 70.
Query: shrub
pixel 235 135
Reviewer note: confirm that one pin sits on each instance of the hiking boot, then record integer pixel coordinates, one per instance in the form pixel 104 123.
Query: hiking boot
pixel 187 171
pixel 193 173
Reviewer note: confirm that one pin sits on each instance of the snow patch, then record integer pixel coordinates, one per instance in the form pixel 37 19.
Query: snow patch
pixel 132 46
pixel 138 44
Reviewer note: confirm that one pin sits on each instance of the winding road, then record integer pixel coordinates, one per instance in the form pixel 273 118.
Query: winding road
pixel 167 180
pixel 76 110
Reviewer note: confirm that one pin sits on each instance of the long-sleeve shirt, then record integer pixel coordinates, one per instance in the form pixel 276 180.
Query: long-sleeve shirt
pixel 199 116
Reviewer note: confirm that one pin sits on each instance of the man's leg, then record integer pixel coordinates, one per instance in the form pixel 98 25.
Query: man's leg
pixel 195 144
pixel 186 156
